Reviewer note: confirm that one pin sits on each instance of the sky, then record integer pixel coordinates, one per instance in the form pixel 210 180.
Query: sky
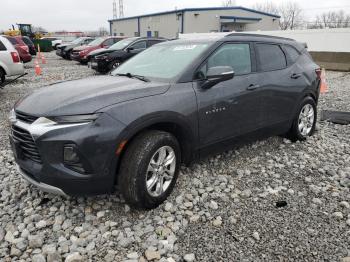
pixel 85 15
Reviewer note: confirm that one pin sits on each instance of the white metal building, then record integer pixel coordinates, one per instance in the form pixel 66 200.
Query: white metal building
pixel 194 20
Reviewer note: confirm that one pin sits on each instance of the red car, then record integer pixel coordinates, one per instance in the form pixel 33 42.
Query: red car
pixel 21 48
pixel 80 53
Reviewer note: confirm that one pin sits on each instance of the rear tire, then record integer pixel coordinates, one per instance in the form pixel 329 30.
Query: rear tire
pixel 149 169
pixel 304 123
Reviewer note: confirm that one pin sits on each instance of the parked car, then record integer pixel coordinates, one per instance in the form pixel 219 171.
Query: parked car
pixel 80 53
pixel 30 44
pixel 21 47
pixel 171 104
pixel 10 62
pixel 55 41
pixel 104 60
pixel 65 50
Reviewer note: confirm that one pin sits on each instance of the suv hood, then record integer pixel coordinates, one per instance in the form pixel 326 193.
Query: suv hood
pixel 101 51
pixel 83 47
pixel 87 95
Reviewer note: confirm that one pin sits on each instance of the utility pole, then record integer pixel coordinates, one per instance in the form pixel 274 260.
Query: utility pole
pixel 121 9
pixel 115 15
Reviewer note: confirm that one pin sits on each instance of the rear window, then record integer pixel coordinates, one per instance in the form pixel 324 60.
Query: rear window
pixel 12 40
pixel 292 54
pixel 27 41
pixel 271 57
pixel 2 46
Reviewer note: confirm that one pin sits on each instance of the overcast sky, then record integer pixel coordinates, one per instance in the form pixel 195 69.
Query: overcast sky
pixel 85 15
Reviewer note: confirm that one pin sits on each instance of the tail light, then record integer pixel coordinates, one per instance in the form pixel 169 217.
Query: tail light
pixel 15 57
pixel 318 73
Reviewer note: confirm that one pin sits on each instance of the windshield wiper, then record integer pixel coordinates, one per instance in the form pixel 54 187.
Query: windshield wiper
pixel 142 78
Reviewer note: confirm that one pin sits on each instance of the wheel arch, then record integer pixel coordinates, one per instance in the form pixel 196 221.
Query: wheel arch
pixel 168 122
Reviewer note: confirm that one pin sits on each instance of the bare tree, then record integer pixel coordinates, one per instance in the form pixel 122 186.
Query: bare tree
pixel 332 19
pixel 267 7
pixel 291 16
pixel 290 12
pixel 103 31
pixel 228 3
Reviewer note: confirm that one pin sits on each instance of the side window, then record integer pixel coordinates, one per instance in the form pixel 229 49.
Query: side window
pixel 139 45
pixel 2 46
pixel 292 54
pixel 271 57
pixel 153 42
pixel 235 55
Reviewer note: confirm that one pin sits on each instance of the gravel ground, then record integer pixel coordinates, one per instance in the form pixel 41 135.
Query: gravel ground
pixel 268 201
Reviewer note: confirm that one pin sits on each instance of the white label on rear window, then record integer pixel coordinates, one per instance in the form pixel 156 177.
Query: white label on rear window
pixel 185 47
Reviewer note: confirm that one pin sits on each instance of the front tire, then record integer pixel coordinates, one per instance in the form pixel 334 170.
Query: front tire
pixel 2 76
pixel 304 123
pixel 149 169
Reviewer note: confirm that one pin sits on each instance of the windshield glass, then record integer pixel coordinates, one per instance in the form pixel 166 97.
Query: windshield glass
pixel 77 41
pixel 122 44
pixel 97 41
pixel 162 62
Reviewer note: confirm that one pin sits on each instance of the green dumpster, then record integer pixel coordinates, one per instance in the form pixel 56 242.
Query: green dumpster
pixel 45 45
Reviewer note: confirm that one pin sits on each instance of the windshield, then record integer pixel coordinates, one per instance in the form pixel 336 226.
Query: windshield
pixel 78 40
pixel 162 62
pixel 97 41
pixel 122 44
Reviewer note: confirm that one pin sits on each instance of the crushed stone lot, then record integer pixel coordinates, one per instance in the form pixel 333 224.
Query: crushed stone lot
pixel 272 200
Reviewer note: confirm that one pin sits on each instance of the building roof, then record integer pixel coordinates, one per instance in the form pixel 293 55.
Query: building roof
pixel 195 10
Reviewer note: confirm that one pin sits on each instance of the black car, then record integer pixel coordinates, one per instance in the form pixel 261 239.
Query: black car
pixel 65 50
pixel 30 44
pixel 104 61
pixel 173 103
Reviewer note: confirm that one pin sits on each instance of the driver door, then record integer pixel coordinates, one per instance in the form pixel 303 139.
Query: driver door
pixel 230 108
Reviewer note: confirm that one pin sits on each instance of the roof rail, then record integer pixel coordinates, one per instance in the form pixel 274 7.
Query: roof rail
pixel 260 35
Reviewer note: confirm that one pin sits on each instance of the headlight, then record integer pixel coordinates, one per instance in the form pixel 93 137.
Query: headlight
pixel 74 119
pixel 102 57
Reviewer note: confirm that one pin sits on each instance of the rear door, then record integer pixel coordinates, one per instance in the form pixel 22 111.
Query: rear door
pixel 278 84
pixel 230 108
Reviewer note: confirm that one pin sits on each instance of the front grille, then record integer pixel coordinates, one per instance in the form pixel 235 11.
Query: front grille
pixel 26 143
pixel 25 117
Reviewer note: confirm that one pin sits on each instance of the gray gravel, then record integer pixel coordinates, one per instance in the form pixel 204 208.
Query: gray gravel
pixel 223 208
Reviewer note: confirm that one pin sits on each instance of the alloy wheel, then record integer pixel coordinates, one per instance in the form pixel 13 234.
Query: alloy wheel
pixel 306 120
pixel 160 171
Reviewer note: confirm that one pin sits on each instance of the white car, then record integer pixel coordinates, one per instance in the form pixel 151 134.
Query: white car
pixel 10 62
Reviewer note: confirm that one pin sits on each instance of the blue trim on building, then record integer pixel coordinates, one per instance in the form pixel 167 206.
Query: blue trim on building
pixel 183 23
pixel 240 18
pixel 110 28
pixel 197 10
pixel 138 26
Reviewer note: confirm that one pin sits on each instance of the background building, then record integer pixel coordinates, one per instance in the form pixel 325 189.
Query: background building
pixel 194 20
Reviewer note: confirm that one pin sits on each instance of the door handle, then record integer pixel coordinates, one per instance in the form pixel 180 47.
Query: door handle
pixel 295 76
pixel 253 87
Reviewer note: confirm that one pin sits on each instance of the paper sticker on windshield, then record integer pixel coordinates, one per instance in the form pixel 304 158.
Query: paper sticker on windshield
pixel 185 47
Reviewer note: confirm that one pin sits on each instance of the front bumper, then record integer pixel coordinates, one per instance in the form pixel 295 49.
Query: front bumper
pixel 78 58
pixel 96 143
pixel 60 52
pixel 99 65
pixel 42 186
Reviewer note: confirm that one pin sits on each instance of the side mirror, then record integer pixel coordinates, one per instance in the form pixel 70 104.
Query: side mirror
pixel 129 49
pixel 218 74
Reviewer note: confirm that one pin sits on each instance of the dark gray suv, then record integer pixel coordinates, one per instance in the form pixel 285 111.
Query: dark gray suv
pixel 171 104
